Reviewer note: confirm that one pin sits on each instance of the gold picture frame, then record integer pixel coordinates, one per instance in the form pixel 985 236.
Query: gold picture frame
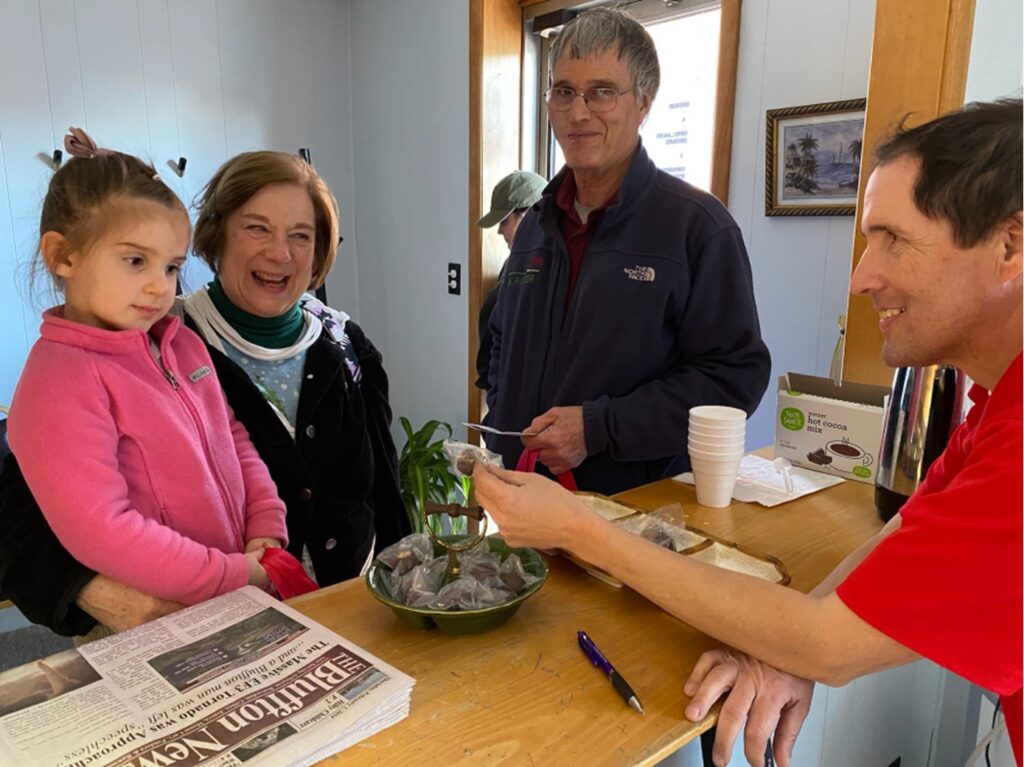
pixel 812 159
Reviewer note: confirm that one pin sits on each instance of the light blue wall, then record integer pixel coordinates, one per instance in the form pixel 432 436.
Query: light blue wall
pixel 192 78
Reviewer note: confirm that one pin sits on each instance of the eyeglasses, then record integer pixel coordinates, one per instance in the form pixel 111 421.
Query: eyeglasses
pixel 560 99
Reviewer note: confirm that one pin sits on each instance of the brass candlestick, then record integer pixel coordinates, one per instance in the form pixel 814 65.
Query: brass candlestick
pixel 453 510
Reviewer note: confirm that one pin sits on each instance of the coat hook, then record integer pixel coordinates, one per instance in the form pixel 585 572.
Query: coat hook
pixel 57 157
pixel 181 166
pixel 304 154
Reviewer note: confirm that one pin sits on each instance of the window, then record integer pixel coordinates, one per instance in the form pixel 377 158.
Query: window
pixel 679 132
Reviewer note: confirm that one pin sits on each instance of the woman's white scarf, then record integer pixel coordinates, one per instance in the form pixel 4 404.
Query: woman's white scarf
pixel 215 330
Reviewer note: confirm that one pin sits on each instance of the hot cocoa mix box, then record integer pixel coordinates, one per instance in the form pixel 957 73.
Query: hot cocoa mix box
pixel 829 428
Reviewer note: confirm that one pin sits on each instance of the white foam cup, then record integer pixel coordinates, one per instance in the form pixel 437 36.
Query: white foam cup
pixel 712 447
pixel 717 414
pixel 703 428
pixel 714 464
pixel 716 456
pixel 714 491
pixel 716 443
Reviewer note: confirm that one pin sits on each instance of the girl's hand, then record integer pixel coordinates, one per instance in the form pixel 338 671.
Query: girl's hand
pixel 530 510
pixel 257 575
pixel 258 544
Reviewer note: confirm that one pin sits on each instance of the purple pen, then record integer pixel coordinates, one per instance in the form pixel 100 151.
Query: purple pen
pixel 597 658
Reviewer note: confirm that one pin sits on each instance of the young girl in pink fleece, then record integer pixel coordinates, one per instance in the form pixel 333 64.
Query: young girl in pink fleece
pixel 118 422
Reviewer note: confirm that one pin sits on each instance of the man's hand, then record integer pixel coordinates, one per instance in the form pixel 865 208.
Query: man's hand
pixel 560 438
pixel 760 696
pixel 121 607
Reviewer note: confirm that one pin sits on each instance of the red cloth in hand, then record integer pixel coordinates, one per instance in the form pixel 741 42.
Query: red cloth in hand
pixel 286 573
pixel 528 462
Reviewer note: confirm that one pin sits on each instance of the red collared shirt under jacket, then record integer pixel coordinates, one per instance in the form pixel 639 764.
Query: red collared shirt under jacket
pixel 139 465
pixel 947 584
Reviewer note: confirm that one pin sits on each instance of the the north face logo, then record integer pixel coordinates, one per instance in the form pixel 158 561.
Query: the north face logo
pixel 640 273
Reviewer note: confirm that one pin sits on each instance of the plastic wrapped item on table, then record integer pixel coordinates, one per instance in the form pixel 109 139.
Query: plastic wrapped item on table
pixel 662 526
pixel 403 556
pixel 424 581
pixel 514 576
pixel 411 578
pixel 480 566
pixel 469 594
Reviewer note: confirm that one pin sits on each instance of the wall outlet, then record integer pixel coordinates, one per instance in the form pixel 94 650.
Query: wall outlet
pixel 455 279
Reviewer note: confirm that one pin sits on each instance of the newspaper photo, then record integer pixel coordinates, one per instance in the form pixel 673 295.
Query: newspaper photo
pixel 240 679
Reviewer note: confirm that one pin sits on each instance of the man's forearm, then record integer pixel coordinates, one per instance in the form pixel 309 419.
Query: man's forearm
pixel 848 565
pixel 121 607
pixel 813 637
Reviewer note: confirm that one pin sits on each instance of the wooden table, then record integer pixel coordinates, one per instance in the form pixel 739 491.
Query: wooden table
pixel 525 694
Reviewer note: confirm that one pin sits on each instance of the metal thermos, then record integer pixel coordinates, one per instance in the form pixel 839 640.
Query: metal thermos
pixel 925 406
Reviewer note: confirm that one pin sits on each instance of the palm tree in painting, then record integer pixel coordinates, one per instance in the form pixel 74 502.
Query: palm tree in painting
pixel 807 144
pixel 855 147
pixel 792 157
pixel 804 164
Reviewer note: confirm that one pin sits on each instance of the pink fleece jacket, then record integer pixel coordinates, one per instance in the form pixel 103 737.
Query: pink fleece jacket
pixel 140 467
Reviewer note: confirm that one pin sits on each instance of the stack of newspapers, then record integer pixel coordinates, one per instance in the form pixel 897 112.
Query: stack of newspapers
pixel 240 678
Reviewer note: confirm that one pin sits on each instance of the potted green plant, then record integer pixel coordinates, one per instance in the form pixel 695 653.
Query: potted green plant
pixel 425 475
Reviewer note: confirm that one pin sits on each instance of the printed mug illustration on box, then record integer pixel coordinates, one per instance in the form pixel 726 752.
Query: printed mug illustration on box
pixel 849 457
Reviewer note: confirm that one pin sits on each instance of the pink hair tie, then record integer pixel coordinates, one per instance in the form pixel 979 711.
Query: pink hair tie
pixel 78 143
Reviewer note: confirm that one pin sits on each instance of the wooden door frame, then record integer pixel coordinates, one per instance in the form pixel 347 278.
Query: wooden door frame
pixel 495 61
pixel 919 57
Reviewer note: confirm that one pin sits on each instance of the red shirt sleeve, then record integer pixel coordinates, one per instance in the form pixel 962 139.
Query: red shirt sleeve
pixel 947 584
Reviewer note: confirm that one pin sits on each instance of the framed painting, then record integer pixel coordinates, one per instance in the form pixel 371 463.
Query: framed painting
pixel 812 159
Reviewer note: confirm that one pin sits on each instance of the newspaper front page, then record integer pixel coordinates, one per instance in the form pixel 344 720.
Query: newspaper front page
pixel 239 679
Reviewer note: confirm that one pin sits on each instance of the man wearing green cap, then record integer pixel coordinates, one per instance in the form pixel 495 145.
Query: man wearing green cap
pixel 512 197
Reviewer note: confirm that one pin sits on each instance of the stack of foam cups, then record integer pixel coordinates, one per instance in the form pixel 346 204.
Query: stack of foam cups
pixel 716 444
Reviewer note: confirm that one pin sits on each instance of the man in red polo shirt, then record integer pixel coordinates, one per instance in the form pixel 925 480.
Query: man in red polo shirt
pixel 943 266
pixel 946 580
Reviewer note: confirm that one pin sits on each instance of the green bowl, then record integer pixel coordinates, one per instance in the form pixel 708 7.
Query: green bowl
pixel 462 621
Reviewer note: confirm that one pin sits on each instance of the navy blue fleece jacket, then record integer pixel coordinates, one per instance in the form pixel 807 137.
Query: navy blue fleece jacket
pixel 662 319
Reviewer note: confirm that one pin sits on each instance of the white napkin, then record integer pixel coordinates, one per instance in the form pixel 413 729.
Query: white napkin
pixel 759 482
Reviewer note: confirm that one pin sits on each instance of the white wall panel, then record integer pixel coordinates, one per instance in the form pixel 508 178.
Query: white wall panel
pixel 267 62
pixel 410 112
pixel 331 140
pixel 995 66
pixel 801 264
pixel 159 90
pixel 198 103
pixel 63 70
pixel 25 133
pixel 13 334
pixel 110 57
pixel 145 76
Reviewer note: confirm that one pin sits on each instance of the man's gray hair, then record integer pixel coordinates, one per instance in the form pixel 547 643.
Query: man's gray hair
pixel 599 29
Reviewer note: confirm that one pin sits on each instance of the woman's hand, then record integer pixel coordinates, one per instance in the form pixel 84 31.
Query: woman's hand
pixel 120 607
pixel 258 544
pixel 530 510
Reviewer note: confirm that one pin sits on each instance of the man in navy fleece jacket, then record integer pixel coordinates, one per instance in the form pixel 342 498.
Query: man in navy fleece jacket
pixel 628 296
